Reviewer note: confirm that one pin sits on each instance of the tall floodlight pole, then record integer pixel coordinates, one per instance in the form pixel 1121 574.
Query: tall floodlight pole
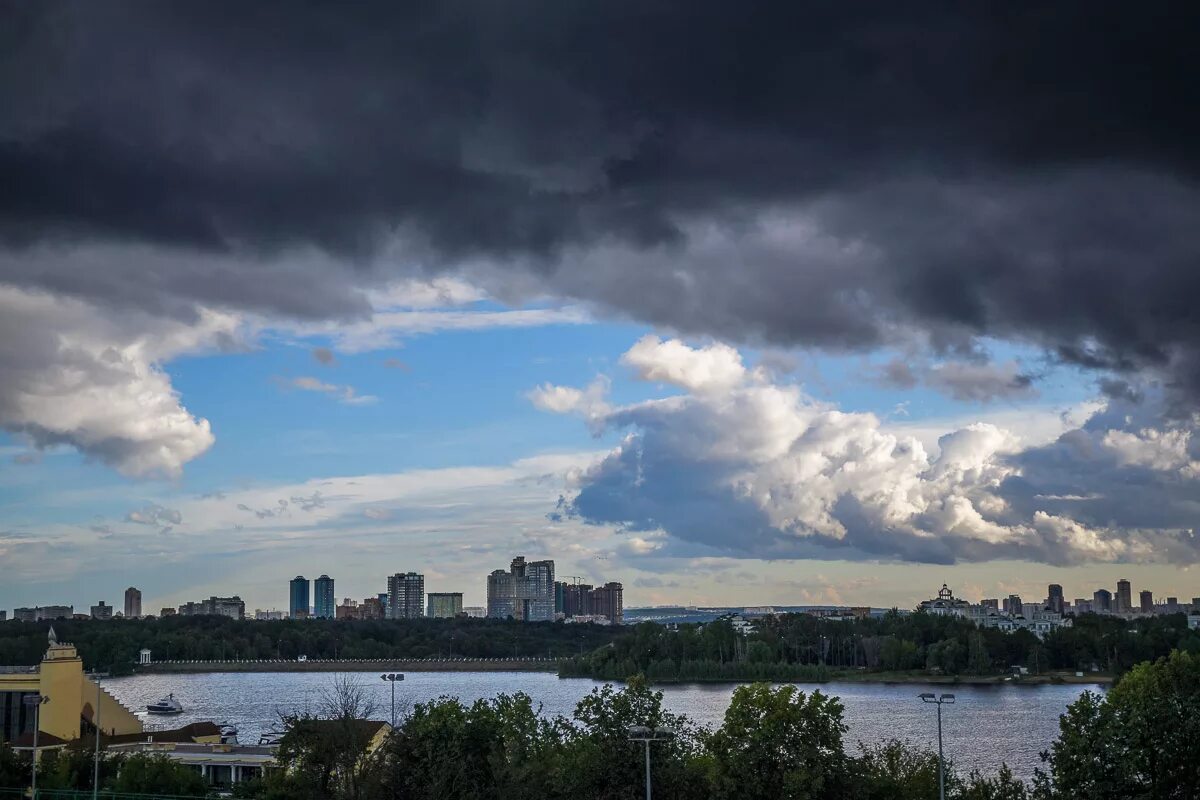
pixel 35 700
pixel 939 701
pixel 392 677
pixel 96 755
pixel 641 733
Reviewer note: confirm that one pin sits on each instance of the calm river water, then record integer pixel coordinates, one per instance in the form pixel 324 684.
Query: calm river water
pixel 987 726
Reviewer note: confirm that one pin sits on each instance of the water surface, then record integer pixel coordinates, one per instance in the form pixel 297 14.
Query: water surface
pixel 987 726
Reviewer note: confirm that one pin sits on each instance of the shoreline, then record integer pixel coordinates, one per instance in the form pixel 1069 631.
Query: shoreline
pixel 551 665
pixel 354 665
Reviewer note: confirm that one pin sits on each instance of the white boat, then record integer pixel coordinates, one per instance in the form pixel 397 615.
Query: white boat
pixel 168 705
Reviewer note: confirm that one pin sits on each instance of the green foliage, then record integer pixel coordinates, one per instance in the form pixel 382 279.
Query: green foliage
pixel 1142 740
pixel 601 762
pixel 498 747
pixel 801 647
pixel 781 741
pixel 113 645
pixel 157 775
pixel 14 770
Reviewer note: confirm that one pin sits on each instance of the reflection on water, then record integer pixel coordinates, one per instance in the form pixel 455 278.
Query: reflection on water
pixel 988 725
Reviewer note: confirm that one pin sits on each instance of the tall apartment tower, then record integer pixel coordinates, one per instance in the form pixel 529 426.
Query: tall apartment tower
pixel 325 607
pixel 298 598
pixel 1054 599
pixel 501 598
pixel 1146 598
pixel 1124 598
pixel 1102 601
pixel 608 601
pixel 525 592
pixel 406 596
pixel 444 605
pixel 133 603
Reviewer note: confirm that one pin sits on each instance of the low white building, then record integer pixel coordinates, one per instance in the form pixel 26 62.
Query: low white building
pixel 1036 618
pixel 1194 621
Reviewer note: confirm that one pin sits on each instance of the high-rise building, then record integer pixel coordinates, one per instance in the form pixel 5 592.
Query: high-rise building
pixel 501 598
pixel 525 592
pixel 325 607
pixel 990 602
pixel 1146 601
pixel 298 598
pixel 1013 605
pixel 576 599
pixel 406 595
pixel 607 601
pixel 1081 605
pixel 383 604
pixel 371 608
pixel 1102 601
pixel 1124 597
pixel 444 605
pixel 1054 599
pixel 102 610
pixel 133 603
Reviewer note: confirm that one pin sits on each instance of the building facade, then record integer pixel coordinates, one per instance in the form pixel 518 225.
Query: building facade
pixel 1146 601
pixel 406 595
pixel 608 601
pixel 133 603
pixel 1102 601
pixel 444 605
pixel 70 710
pixel 1055 600
pixel 1124 597
pixel 323 602
pixel 102 610
pixel 526 592
pixel 298 597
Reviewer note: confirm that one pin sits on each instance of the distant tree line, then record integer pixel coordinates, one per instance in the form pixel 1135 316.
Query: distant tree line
pixel 113 645
pixel 799 647
pixel 788 647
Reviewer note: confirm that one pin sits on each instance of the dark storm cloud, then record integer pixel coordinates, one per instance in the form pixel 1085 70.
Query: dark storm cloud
pixel 795 173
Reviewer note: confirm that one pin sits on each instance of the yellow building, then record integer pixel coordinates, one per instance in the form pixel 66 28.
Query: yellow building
pixel 69 707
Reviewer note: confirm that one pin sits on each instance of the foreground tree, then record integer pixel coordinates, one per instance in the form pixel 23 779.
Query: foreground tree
pixel 494 748
pixel 600 762
pixel 157 776
pixel 780 743
pixel 1141 741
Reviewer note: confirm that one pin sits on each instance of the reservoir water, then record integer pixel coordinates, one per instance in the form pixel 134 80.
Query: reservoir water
pixel 988 725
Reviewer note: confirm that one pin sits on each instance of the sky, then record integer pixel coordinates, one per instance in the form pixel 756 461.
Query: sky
pixel 802 306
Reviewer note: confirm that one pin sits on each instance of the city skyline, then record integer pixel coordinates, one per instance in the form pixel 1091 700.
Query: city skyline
pixel 561 597
pixel 741 320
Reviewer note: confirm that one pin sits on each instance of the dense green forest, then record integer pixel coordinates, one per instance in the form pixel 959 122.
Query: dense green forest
pixel 1141 739
pixel 789 647
pixel 113 645
pixel 804 647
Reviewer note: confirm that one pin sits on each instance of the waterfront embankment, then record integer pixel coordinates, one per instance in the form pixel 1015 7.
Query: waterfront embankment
pixel 356 665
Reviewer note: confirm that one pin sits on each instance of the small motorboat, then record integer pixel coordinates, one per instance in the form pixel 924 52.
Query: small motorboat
pixel 168 705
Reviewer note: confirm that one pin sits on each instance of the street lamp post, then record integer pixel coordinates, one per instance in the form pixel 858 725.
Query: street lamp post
pixel 641 733
pixel 37 701
pixel 392 677
pixel 939 701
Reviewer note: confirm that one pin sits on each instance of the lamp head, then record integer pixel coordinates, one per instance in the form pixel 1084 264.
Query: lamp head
pixel 946 698
pixel 927 697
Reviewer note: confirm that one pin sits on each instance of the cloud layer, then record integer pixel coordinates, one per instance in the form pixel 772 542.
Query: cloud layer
pixel 746 466
pixel 791 175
